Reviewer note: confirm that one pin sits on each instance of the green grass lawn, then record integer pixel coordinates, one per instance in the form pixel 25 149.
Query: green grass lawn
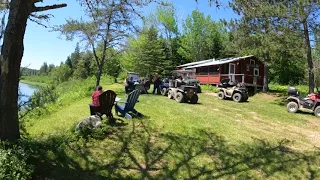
pixel 212 139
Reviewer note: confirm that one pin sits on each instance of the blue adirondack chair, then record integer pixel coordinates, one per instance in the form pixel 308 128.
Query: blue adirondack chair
pixel 128 106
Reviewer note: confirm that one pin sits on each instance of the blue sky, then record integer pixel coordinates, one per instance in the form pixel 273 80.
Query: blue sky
pixel 41 45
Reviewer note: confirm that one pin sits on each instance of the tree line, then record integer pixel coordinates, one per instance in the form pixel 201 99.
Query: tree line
pixel 163 43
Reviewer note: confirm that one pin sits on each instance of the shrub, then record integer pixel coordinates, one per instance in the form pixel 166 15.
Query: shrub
pixel 43 96
pixel 303 89
pixel 14 162
pixel 210 88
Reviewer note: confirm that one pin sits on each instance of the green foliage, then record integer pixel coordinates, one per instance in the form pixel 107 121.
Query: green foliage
pixel 145 54
pixel 94 133
pixel 43 96
pixel 28 72
pixel 81 72
pixel 303 89
pixel 61 73
pixel 287 70
pixel 75 57
pixel 281 27
pixel 69 62
pixel 209 88
pixel 51 67
pixel 113 67
pixel 44 68
pixel 14 162
pixel 202 38
pixel 38 79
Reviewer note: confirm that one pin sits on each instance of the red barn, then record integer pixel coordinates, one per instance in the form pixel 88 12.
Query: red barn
pixel 248 70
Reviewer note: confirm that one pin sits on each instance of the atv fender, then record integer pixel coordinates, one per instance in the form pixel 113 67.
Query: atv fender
pixel 180 90
pixel 295 99
pixel 317 103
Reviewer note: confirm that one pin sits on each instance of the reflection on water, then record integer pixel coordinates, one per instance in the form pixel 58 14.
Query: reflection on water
pixel 27 90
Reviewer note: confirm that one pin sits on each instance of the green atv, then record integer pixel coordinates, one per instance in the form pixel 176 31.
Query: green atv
pixel 188 77
pixel 182 92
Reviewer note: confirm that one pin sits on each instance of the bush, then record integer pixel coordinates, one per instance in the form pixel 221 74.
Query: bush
pixel 43 96
pixel 14 162
pixel 210 88
pixel 303 89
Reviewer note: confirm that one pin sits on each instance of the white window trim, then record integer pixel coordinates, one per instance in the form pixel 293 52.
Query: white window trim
pixel 234 69
pixel 252 60
pixel 254 72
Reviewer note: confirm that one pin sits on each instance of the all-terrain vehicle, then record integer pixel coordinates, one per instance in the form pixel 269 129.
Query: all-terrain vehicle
pixel 188 77
pixel 164 87
pixel 181 92
pixel 311 103
pixel 237 92
pixel 137 83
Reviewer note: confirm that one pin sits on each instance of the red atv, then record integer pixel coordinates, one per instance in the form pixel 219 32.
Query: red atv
pixel 311 103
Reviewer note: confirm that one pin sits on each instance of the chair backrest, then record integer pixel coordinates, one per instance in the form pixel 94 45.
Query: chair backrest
pixel 132 100
pixel 107 100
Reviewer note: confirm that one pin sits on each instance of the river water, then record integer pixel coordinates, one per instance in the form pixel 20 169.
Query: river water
pixel 27 90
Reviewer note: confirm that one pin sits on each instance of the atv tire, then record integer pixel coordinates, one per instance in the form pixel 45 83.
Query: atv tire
pixel 317 111
pixel 194 99
pixel 293 107
pixel 164 91
pixel 237 97
pixel 221 95
pixel 179 97
pixel 244 97
pixel 170 96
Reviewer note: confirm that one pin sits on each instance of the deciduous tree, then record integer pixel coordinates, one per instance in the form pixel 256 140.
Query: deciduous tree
pixel 202 38
pixel 109 22
pixel 11 54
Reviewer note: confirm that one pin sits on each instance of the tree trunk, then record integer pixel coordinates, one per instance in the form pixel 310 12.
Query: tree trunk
pixel 12 52
pixel 309 57
pixel 99 73
pixel 266 79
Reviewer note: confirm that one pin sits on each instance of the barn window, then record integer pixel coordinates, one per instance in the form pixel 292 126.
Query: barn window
pixel 256 72
pixel 213 70
pixel 225 69
pixel 202 71
pixel 252 62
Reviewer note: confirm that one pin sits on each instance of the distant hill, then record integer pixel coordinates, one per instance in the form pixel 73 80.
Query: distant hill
pixel 28 72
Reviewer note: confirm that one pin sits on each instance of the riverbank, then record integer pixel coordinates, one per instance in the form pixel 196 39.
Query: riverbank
pixel 33 83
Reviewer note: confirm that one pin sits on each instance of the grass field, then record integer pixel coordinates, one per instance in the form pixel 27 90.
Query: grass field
pixel 212 139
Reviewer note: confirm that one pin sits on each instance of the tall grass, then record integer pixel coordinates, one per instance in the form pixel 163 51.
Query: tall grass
pixel 303 89
pixel 37 80
pixel 210 88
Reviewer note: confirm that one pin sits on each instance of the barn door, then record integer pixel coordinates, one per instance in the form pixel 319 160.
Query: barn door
pixel 232 70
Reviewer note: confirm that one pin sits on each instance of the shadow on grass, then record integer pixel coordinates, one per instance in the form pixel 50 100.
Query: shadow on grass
pixel 141 152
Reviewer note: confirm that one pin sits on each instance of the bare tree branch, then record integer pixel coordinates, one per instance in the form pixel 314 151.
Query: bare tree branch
pixel 45 8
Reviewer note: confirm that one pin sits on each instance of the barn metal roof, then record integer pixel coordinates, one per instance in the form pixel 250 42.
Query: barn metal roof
pixel 220 61
pixel 196 63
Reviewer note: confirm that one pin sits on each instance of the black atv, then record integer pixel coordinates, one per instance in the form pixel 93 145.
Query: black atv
pixel 237 92
pixel 311 103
